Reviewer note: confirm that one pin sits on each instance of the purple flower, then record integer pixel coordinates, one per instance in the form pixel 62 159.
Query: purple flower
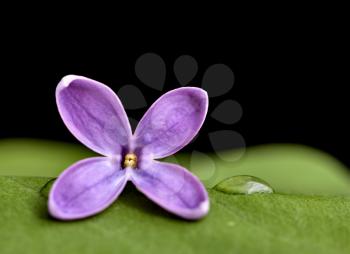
pixel 96 117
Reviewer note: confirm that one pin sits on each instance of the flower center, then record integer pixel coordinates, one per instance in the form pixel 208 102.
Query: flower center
pixel 130 160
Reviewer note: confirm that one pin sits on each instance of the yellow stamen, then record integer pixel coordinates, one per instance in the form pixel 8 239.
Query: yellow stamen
pixel 130 160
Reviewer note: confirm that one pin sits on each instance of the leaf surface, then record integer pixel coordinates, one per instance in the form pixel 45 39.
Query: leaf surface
pixel 270 223
pixel 287 168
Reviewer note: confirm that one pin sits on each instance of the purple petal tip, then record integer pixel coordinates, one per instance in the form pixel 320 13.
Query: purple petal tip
pixel 172 121
pixel 173 188
pixel 94 114
pixel 86 188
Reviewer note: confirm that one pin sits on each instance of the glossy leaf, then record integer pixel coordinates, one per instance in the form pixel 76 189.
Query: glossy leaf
pixel 236 224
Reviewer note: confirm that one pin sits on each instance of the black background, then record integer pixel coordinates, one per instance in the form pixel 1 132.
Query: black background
pixel 288 75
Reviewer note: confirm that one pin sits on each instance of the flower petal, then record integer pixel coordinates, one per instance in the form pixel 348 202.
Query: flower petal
pixel 94 114
pixel 172 121
pixel 173 188
pixel 86 188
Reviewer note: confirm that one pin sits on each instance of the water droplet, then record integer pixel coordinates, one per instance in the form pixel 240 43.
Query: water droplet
pixel 132 97
pixel 185 68
pixel 243 184
pixel 217 80
pixel 228 112
pixel 151 70
pixel 45 190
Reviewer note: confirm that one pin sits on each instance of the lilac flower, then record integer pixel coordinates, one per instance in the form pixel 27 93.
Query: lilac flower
pixel 96 117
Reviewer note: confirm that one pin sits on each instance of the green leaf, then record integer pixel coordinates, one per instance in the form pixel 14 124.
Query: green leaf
pixel 288 168
pixel 31 157
pixel 45 190
pixel 256 223
pixel 243 185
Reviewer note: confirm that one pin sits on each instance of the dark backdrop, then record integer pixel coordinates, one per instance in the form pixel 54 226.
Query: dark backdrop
pixel 287 78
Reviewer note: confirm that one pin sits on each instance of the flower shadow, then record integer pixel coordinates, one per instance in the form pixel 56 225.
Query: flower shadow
pixel 135 200
pixel 130 198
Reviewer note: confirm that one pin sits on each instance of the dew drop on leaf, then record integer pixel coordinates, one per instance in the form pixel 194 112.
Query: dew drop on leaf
pixel 243 184
pixel 45 190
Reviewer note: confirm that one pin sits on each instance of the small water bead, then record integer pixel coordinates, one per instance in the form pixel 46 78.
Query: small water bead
pixel 243 184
